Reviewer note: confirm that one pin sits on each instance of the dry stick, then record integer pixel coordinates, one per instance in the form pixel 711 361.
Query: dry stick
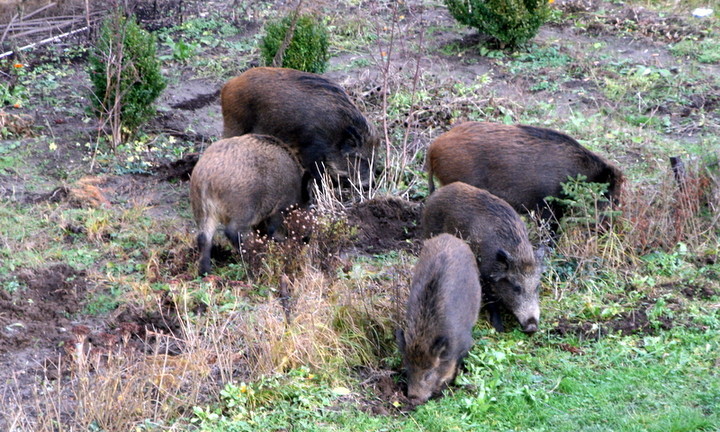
pixel 7 29
pixel 38 22
pixel 87 13
pixel 278 59
pixel 44 41
pixel 55 26
pixel 12 20
pixel 386 74
pixel 411 115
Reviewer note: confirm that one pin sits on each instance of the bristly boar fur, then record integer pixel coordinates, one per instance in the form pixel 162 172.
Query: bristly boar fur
pixel 509 269
pixel 520 164
pixel 306 111
pixel 442 309
pixel 242 182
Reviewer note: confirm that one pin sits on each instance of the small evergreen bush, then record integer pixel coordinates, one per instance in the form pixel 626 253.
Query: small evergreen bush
pixel 308 48
pixel 125 72
pixel 510 22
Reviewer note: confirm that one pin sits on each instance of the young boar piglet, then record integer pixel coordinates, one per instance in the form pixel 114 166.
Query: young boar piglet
pixel 509 269
pixel 442 308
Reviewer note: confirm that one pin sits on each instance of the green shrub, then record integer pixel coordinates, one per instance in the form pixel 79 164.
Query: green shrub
pixel 308 49
pixel 510 22
pixel 125 72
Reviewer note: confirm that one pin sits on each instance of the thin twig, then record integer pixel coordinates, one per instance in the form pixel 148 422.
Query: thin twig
pixel 278 59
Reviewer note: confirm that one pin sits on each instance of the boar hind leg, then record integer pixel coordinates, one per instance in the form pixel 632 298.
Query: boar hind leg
pixel 233 236
pixel 204 244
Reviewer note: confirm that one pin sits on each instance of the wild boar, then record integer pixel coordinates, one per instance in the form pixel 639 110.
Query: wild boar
pixel 509 269
pixel 242 182
pixel 520 164
pixel 442 309
pixel 306 111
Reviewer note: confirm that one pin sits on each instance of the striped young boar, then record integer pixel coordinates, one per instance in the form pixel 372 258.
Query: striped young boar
pixel 242 183
pixel 509 269
pixel 305 111
pixel 520 164
pixel 442 309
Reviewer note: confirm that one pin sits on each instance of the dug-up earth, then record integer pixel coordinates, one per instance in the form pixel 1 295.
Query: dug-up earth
pixel 46 321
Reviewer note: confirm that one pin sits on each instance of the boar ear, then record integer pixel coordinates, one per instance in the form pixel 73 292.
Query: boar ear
pixel 503 261
pixel 439 346
pixel 400 338
pixel 351 139
pixel 503 257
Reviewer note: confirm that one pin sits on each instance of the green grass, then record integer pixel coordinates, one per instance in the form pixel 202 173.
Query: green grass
pixel 655 383
pixel 705 51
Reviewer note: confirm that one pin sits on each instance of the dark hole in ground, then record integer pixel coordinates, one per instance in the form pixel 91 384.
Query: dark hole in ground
pixel 386 223
pixel 180 169
pixel 55 196
pixel 704 292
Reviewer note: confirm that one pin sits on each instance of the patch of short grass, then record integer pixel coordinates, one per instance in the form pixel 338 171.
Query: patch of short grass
pixel 655 383
pixel 704 51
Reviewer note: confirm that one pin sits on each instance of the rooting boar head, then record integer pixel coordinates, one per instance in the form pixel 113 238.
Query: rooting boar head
pixel 517 285
pixel 429 368
pixel 354 161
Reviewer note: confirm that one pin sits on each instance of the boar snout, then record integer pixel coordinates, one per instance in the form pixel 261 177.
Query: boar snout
pixel 530 326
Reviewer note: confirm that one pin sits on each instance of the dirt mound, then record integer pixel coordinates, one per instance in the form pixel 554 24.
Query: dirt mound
pixel 386 223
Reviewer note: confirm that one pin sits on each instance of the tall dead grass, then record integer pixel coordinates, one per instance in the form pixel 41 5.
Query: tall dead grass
pixel 657 215
pixel 110 390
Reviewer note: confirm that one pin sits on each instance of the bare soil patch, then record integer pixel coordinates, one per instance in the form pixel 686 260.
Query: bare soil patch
pixel 39 315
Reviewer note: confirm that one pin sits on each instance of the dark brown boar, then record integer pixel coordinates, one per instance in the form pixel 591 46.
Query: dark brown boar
pixel 520 164
pixel 242 182
pixel 306 111
pixel 442 308
pixel 509 269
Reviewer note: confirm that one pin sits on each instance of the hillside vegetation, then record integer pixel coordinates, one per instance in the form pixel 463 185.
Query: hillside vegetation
pixel 104 325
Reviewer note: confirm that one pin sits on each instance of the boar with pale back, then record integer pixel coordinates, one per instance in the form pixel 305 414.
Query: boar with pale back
pixel 242 183
pixel 443 306
pixel 520 164
pixel 306 111
pixel 509 268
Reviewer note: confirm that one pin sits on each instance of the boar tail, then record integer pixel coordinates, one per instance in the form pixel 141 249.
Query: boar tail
pixel 431 183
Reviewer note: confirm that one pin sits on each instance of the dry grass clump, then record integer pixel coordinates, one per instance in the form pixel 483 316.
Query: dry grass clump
pixel 112 390
pixel 320 327
pixel 312 238
pixel 16 125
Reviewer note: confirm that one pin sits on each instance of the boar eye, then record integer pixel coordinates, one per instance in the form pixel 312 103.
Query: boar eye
pixel 517 289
